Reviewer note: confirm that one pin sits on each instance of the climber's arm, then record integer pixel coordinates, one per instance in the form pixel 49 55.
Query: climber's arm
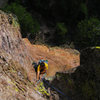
pixel 38 75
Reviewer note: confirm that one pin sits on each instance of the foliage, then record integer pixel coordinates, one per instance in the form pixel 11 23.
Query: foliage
pixel 13 20
pixel 88 90
pixel 61 28
pixel 27 23
pixel 60 34
pixel 89 32
pixel 51 12
pixel 87 75
pixel 15 23
pixel 84 9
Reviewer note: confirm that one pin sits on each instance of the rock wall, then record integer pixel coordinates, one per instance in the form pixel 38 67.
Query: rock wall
pixel 22 51
pixel 59 60
pixel 11 42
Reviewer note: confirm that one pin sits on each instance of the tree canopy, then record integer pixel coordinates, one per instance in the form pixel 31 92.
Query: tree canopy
pixel 74 21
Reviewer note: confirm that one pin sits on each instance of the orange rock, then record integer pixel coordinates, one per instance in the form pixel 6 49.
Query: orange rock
pixel 60 60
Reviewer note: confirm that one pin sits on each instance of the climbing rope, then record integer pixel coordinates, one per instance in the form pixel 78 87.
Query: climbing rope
pixel 42 90
pixel 56 89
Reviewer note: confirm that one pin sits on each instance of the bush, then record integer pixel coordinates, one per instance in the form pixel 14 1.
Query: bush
pixel 84 9
pixel 60 34
pixel 27 23
pixel 88 32
pixel 61 28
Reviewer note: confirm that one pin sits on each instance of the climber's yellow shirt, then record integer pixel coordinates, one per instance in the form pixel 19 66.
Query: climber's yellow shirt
pixel 44 69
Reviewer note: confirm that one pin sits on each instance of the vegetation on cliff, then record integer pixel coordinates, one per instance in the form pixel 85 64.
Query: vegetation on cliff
pixel 27 23
pixel 72 22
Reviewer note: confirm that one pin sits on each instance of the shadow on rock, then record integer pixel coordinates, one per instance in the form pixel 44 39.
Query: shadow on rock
pixel 83 84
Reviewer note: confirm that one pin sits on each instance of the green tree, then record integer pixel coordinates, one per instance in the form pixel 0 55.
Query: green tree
pixel 60 34
pixel 89 32
pixel 27 23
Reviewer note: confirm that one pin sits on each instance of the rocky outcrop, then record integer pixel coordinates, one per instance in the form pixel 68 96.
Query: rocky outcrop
pixel 87 76
pixel 11 43
pixel 22 51
pixel 15 63
pixel 60 60
pixel 13 82
pixel 84 83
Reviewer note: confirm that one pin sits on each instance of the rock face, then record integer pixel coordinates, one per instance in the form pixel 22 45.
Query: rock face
pixel 87 76
pixel 59 60
pixel 17 56
pixel 11 42
pixel 13 82
pixel 84 83
pixel 15 64
pixel 23 51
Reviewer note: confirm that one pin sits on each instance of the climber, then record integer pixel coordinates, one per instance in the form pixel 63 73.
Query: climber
pixel 41 69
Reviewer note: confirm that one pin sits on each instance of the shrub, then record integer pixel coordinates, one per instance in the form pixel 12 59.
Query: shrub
pixel 61 28
pixel 60 34
pixel 84 9
pixel 88 32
